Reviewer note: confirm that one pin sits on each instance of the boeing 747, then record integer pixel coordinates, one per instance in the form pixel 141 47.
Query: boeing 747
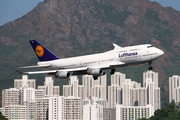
pixel 94 64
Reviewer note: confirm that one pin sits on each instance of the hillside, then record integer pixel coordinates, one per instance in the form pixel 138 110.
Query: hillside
pixel 78 27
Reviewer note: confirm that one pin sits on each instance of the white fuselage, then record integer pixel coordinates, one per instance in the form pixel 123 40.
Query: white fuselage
pixel 122 56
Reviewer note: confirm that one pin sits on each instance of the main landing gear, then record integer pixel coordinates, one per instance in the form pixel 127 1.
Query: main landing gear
pixel 150 67
pixel 112 71
pixel 95 77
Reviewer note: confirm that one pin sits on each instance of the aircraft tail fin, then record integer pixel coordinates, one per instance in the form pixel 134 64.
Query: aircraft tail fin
pixel 42 53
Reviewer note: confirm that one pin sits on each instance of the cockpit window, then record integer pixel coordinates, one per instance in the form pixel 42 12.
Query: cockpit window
pixel 149 46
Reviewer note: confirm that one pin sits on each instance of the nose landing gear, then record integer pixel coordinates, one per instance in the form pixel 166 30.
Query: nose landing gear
pixel 150 67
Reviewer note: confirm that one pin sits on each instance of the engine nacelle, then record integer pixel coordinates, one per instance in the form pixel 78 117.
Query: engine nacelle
pixel 95 72
pixel 62 75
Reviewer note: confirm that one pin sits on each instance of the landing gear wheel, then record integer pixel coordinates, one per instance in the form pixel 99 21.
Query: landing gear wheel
pixel 150 67
pixel 112 71
pixel 104 73
pixel 95 77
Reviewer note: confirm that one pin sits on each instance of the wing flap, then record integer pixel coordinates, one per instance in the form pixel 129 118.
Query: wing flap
pixel 37 66
pixel 41 72
pixel 53 71
pixel 105 66
pixel 75 69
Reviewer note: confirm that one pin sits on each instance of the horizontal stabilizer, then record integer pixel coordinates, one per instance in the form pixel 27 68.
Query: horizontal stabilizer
pixel 18 71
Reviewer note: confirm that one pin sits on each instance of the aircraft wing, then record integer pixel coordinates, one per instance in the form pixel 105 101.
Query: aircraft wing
pixel 105 66
pixel 41 72
pixel 53 71
pixel 37 66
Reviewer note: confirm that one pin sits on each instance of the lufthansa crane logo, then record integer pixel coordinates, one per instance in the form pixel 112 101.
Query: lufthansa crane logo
pixel 39 50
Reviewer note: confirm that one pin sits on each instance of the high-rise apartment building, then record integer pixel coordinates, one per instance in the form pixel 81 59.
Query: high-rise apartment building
pixel 19 102
pixel 151 75
pixel 114 95
pixel 134 93
pixel 15 112
pixel 99 87
pixel 50 107
pixel 25 82
pixel 157 100
pixel 174 88
pixel 130 93
pixel 67 90
pixel 72 108
pixel 10 97
pixel 87 82
pixel 142 101
pixel 131 97
pixel 56 90
pixel 109 114
pixel 14 96
pixel 30 110
pixel 80 91
pixel 118 78
pixel 56 108
pixel 42 108
pixel 20 112
pixel 73 89
pixel 122 91
pixel 26 94
pixel 49 87
pixel 115 90
pixel 92 111
pixel 150 81
pixel 94 88
pixel 177 94
pixel 39 93
pixel 88 88
pixel 126 92
pixel 92 100
pixel 132 112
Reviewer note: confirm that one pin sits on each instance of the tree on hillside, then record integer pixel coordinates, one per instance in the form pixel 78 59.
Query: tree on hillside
pixel 2 117
pixel 172 112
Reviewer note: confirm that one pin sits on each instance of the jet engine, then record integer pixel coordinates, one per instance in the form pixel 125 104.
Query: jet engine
pixel 62 75
pixel 95 72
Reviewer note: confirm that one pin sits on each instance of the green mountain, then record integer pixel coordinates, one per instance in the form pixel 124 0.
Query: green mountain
pixel 79 27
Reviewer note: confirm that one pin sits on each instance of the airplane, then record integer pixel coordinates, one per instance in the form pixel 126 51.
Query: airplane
pixel 93 64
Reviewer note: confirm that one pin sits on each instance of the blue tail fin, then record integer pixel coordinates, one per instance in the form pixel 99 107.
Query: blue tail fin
pixel 42 53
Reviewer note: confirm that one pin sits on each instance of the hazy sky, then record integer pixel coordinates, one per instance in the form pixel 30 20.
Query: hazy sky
pixel 13 9
pixel 172 3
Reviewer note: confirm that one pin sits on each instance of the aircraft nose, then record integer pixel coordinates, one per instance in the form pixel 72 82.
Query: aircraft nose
pixel 161 52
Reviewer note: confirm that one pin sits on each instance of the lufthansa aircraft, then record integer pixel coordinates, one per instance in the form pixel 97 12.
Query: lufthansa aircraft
pixel 94 64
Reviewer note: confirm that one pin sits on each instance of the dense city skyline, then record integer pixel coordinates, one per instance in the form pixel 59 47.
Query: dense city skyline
pixel 90 98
